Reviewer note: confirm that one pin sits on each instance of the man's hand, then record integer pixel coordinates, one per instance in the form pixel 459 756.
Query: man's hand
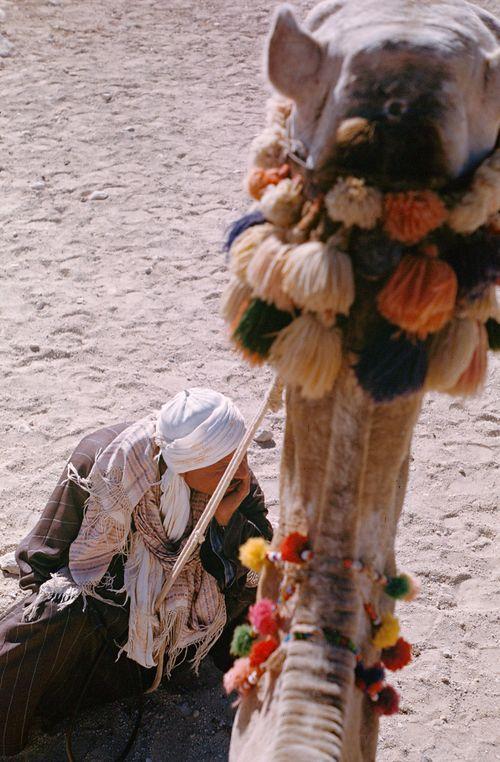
pixel 236 493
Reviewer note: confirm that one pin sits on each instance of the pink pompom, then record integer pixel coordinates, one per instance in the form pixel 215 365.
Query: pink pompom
pixel 263 617
pixel 236 679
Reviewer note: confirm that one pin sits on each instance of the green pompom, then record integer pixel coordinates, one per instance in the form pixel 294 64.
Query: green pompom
pixel 493 329
pixel 260 325
pixel 243 638
pixel 398 587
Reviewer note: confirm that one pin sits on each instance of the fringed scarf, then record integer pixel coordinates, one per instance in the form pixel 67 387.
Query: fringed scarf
pixel 123 516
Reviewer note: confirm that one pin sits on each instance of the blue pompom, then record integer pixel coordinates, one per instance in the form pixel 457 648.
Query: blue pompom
pixel 391 365
pixel 239 227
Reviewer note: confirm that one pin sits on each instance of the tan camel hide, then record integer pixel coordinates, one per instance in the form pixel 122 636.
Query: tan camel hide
pixel 343 480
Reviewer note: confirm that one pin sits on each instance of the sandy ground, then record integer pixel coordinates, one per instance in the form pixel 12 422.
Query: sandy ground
pixel 109 306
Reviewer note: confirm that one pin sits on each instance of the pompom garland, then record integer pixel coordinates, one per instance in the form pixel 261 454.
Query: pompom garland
pixel 265 273
pixel 352 202
pixel 308 355
pixel 420 295
pixel 409 217
pixel 262 650
pixel 319 278
pixel 397 656
pixel 263 617
pixel 386 633
pixel 253 553
pixel 450 352
pixel 243 638
pixel 475 260
pixel 373 254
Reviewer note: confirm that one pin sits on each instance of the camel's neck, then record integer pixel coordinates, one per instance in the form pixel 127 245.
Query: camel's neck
pixel 343 481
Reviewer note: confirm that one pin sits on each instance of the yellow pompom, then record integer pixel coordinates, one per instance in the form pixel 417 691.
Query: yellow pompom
pixel 387 633
pixel 308 355
pixel 244 248
pixel 253 553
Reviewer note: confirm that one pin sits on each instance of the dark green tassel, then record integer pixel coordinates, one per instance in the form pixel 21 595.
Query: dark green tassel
pixel 493 329
pixel 260 326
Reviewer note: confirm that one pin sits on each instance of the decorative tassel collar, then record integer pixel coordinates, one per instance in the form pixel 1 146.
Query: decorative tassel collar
pixel 300 255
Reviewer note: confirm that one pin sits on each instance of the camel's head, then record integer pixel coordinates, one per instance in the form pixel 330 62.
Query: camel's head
pixel 402 92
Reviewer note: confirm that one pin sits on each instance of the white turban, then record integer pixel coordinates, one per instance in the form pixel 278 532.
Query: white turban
pixel 195 429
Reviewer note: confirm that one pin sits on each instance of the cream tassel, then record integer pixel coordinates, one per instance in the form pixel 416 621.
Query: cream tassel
pixel 450 353
pixel 265 273
pixel 318 277
pixel 482 201
pixel 308 355
pixel 281 204
pixel 244 248
pixel 235 301
pixel 472 379
pixel 483 308
pixel 351 202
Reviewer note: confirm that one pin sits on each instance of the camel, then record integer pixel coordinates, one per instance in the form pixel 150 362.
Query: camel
pixel 345 458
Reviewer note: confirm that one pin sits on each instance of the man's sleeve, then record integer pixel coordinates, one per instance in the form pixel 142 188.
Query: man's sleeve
pixel 45 549
pixel 219 551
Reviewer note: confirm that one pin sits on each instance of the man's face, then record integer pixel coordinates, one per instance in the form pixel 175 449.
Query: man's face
pixel 206 479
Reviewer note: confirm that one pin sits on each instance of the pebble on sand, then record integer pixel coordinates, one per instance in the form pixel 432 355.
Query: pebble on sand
pixel 8 563
pixel 35 347
pixel 6 47
pixel 98 195
pixel 264 436
pixel 38 185
pixel 107 97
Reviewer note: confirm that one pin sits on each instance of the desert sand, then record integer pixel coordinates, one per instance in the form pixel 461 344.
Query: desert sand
pixel 123 131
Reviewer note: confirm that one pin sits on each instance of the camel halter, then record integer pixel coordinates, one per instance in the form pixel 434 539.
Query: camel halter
pixel 272 401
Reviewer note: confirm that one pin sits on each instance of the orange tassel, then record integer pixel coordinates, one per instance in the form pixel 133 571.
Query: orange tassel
pixel 420 295
pixel 409 217
pixel 472 379
pixel 258 179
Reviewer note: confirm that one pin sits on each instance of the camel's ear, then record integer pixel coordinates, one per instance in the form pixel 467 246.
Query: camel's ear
pixel 293 56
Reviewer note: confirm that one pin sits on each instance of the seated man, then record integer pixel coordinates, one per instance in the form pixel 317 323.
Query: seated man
pixel 102 550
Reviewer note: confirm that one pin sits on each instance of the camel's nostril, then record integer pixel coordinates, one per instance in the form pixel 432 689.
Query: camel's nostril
pixel 395 108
